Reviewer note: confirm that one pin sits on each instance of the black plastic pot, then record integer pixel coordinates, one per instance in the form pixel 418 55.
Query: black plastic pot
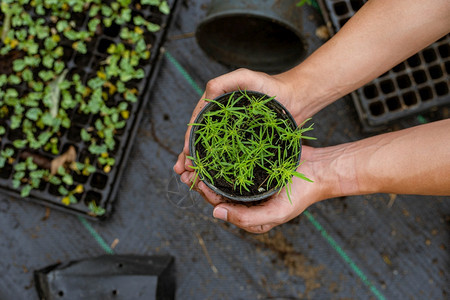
pixel 263 35
pixel 109 277
pixel 275 105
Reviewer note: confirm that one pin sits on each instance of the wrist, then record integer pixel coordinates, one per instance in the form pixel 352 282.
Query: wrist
pixel 309 92
pixel 336 171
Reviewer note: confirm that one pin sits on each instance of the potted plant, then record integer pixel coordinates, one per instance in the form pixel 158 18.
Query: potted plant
pixel 246 146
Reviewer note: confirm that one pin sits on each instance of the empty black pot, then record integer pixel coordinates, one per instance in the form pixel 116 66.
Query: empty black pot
pixel 262 35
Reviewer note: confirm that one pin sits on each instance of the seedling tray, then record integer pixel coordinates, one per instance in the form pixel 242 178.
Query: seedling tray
pixel 414 86
pixel 100 186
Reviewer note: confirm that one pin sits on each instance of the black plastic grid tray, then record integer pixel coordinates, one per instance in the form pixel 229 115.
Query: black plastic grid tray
pixel 414 86
pixel 100 187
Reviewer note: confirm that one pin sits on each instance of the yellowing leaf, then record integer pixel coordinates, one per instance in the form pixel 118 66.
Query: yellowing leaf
pixel 125 114
pixel 101 75
pixel 111 49
pixel 66 200
pixel 4 110
pixel 13 43
pixel 79 189
pixel 56 38
pixel 138 30
pixel 107 169
pixel 86 92
pixel 112 87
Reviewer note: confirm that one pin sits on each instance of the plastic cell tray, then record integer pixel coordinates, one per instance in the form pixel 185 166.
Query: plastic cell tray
pixel 100 187
pixel 417 85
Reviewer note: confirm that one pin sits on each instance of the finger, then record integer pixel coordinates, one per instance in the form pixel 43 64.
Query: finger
pixel 191 180
pixel 179 166
pixel 260 229
pixel 223 213
pixel 239 79
pixel 209 195
pixel 242 79
pixel 188 165
pixel 188 178
pixel 271 212
pixel 196 111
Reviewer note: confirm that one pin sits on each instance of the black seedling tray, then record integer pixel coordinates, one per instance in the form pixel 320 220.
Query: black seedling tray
pixel 414 86
pixel 100 186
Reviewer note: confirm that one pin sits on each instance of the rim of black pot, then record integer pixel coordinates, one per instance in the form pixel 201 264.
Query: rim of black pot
pixel 274 65
pixel 199 119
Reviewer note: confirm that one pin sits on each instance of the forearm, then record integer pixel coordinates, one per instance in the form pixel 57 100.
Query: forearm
pixel 410 161
pixel 379 36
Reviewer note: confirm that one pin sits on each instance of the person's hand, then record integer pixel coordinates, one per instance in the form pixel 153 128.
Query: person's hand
pixel 242 79
pixel 349 60
pixel 276 210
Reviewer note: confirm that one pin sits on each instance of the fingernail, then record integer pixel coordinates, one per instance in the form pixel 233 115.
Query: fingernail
pixel 220 213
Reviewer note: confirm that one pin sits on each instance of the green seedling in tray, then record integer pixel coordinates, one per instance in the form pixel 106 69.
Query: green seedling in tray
pixel 40 91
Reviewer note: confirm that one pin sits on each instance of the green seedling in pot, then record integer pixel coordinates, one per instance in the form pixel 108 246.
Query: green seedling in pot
pixel 242 136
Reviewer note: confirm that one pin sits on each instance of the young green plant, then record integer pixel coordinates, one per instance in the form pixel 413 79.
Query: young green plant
pixel 242 136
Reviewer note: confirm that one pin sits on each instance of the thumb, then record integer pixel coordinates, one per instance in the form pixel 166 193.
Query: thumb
pixel 258 218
